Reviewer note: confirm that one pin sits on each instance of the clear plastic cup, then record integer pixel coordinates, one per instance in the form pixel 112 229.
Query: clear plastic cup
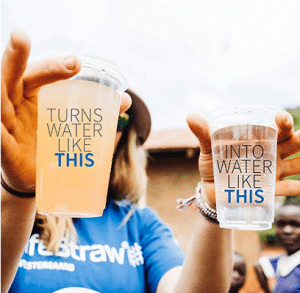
pixel 244 146
pixel 77 122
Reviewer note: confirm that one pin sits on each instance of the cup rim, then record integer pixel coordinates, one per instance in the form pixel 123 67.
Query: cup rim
pixel 102 66
pixel 217 112
pixel 222 117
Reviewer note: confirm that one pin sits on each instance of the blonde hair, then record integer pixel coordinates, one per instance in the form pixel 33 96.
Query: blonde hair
pixel 128 181
pixel 128 178
pixel 53 229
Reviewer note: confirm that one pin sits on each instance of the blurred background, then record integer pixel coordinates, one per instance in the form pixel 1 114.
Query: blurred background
pixel 180 56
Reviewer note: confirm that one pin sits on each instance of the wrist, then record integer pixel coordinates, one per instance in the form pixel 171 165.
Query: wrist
pixel 203 206
pixel 208 194
pixel 15 192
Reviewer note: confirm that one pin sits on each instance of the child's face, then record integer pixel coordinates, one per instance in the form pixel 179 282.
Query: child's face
pixel 287 225
pixel 239 273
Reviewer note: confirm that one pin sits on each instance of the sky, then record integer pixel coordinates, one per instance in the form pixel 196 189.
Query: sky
pixel 180 56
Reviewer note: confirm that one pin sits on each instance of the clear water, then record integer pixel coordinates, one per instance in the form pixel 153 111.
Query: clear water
pixel 246 218
pixel 244 160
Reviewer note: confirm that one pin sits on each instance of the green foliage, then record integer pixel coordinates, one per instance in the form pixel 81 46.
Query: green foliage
pixel 296 115
pixel 268 236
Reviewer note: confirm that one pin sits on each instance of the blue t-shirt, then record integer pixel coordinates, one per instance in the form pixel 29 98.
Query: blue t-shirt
pixel 108 256
pixel 289 283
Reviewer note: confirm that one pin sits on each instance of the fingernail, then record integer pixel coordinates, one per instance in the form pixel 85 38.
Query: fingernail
pixel 70 62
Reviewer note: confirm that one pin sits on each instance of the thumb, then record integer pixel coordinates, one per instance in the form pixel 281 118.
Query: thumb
pixel 200 127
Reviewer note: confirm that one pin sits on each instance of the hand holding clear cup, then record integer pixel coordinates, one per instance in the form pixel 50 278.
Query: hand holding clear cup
pixel 288 143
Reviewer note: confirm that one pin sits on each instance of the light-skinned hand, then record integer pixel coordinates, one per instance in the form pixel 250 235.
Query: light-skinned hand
pixel 288 144
pixel 20 84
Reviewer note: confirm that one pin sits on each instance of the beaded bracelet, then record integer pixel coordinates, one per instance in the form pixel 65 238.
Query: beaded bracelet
pixel 208 212
pixel 15 192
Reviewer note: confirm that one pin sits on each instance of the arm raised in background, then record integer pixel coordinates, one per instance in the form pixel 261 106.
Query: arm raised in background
pixel 20 84
pixel 208 265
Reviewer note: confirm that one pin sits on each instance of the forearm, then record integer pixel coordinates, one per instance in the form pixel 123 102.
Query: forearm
pixel 17 218
pixel 208 265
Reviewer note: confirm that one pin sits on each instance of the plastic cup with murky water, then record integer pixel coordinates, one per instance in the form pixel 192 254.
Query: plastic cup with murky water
pixel 77 122
pixel 244 146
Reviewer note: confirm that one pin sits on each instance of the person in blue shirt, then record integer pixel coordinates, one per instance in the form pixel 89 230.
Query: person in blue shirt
pixel 283 269
pixel 128 249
